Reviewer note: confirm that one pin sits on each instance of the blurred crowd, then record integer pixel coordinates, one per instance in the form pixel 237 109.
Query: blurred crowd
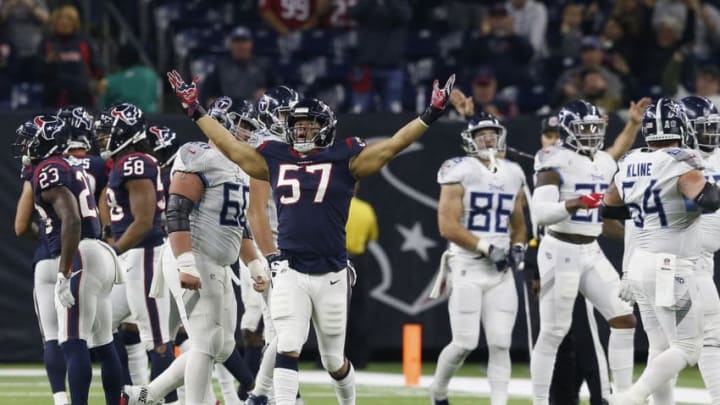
pixel 511 57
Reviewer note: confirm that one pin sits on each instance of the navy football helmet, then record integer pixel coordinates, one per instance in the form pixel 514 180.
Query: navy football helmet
pixel 41 137
pixel 118 127
pixel 581 127
pixel 237 116
pixel 666 120
pixel 163 141
pixel 487 145
pixel 274 106
pixel 318 133
pixel 81 123
pixel 704 118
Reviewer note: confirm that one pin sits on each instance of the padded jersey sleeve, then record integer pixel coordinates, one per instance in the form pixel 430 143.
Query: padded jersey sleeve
pixel 355 144
pixel 451 171
pixel 52 173
pixel 137 166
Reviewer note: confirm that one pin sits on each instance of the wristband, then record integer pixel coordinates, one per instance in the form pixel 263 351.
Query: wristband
pixel 483 247
pixel 196 111
pixel 186 264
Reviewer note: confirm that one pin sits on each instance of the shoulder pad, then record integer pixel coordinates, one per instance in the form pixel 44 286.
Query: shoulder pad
pixel 551 157
pixel 630 152
pixel 451 170
pixel 191 157
pixel 691 157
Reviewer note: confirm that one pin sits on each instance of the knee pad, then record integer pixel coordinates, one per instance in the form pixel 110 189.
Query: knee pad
pixel 465 342
pixel 552 335
pixel 711 332
pixel 210 342
pixel 332 363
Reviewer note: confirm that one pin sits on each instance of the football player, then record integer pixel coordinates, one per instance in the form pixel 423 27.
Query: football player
pixel 481 214
pixel 86 268
pixel 207 231
pixel 312 177
pixel 570 179
pixel 654 186
pixel 136 199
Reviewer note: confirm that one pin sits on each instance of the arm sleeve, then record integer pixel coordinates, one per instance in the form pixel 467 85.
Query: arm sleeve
pixel 546 208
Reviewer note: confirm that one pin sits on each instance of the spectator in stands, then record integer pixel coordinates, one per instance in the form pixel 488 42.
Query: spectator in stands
pixel 238 74
pixel 379 63
pixel 484 98
pixel 571 32
pixel 133 83
pixel 71 64
pixel 707 83
pixel 23 22
pixel 592 55
pixel 8 71
pixel 633 17
pixel 594 89
pixel 497 44
pixel 286 16
pixel 531 19
pixel 707 30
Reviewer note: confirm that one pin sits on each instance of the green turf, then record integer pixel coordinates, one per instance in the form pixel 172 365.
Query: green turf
pixel 35 390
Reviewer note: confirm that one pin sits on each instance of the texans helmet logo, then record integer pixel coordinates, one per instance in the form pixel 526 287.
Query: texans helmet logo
pixel 48 128
pixel 81 119
pixel 127 113
pixel 164 135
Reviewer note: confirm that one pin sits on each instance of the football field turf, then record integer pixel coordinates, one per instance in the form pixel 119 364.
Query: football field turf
pixel 380 384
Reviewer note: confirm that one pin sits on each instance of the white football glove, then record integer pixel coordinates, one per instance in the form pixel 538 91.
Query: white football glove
pixel 259 271
pixel 626 291
pixel 63 295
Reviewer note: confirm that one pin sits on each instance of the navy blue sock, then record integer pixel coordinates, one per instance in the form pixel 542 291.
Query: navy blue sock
pixel 79 370
pixel 122 357
pixel 180 338
pixel 55 365
pixel 159 362
pixel 130 337
pixel 237 367
pixel 253 357
pixel 111 373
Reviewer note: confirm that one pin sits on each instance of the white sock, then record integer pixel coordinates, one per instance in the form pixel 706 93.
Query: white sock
pixel 60 398
pixel 665 393
pixel 710 369
pixel 345 387
pixel 138 364
pixel 227 385
pixel 197 377
pixel 449 361
pixel 184 348
pixel 663 368
pixel 168 380
pixel 286 386
pixel 621 354
pixel 543 364
pixel 264 378
pixel 498 373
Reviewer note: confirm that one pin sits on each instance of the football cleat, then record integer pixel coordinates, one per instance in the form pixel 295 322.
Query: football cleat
pixel 136 395
pixel 257 400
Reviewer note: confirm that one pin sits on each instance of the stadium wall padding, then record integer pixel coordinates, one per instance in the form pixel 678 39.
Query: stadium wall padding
pixel 399 269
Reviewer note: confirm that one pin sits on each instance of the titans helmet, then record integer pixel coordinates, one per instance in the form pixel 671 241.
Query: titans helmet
pixel 237 116
pixel 81 123
pixel 704 118
pixel 164 143
pixel 318 130
pixel 581 127
pixel 118 127
pixel 41 137
pixel 274 106
pixel 487 145
pixel 666 120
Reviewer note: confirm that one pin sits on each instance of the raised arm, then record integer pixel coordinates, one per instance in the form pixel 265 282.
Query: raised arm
pixel 375 156
pixel 626 139
pixel 241 153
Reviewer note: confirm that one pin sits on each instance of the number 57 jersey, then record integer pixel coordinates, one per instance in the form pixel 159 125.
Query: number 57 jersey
pixel 218 220
pixel 488 198
pixel 665 221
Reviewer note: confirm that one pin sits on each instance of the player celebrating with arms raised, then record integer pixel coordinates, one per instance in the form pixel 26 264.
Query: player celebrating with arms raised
pixel 312 179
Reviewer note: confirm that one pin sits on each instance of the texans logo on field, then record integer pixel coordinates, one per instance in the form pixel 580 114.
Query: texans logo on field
pixel 408 251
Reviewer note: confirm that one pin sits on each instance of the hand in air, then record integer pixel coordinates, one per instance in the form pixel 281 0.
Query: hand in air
pixel 187 93
pixel 438 101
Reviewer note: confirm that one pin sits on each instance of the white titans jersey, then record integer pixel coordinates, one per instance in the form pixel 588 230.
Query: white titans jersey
pixel 218 220
pixel 256 139
pixel 489 198
pixel 665 221
pixel 710 223
pixel 579 175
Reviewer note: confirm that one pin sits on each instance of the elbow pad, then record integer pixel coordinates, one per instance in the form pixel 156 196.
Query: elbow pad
pixel 178 213
pixel 546 208
pixel 615 212
pixel 709 198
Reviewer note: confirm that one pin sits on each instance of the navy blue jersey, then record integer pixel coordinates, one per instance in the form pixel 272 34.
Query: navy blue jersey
pixel 57 172
pixel 95 168
pixel 130 167
pixel 41 250
pixel 312 194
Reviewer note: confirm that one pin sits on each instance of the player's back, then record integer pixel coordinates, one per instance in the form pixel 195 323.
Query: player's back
pixel 58 172
pixel 96 170
pixel 488 198
pixel 579 174
pixel 134 166
pixel 218 220
pixel 665 221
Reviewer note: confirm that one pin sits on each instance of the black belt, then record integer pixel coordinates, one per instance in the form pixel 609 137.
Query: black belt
pixel 572 238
